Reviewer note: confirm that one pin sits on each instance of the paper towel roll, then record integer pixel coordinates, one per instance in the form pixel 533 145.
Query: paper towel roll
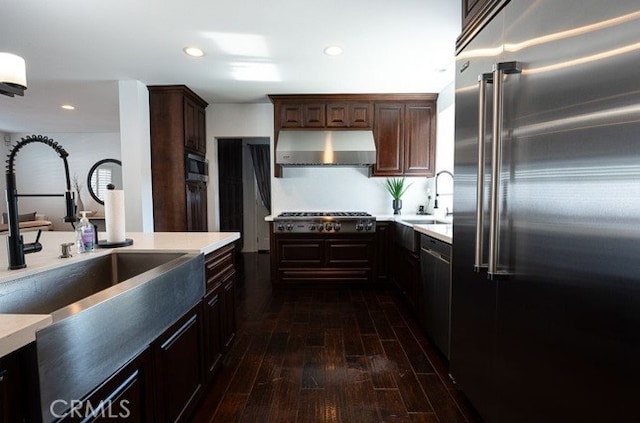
pixel 114 215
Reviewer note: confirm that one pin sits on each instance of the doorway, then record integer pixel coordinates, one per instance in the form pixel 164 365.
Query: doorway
pixel 240 203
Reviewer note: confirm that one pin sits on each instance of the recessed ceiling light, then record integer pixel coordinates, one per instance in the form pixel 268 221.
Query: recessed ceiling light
pixel 193 51
pixel 68 107
pixel 333 51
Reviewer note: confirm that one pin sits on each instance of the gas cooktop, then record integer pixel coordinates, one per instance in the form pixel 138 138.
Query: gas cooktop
pixel 324 222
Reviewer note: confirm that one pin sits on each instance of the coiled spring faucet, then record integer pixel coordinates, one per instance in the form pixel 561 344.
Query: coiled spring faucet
pixel 16 249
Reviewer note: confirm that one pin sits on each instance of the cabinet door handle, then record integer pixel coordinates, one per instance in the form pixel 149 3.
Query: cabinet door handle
pixel 499 71
pixel 483 80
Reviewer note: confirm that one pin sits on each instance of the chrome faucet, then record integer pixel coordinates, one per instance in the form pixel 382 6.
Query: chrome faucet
pixel 435 203
pixel 16 248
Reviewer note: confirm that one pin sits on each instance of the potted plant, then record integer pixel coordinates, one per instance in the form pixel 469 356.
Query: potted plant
pixel 397 187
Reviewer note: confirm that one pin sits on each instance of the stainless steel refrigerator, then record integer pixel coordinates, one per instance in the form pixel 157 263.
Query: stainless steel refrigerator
pixel 545 312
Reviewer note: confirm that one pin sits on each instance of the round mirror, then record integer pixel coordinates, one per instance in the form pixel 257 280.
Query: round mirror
pixel 103 173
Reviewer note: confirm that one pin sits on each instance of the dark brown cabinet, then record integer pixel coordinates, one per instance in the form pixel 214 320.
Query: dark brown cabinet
pixel 404 125
pixel 405 138
pixel 19 398
pixel 196 197
pixel 177 368
pixel 406 274
pixel 177 124
pixel 475 13
pixel 219 307
pixel 331 258
pixel 383 259
pixel 127 395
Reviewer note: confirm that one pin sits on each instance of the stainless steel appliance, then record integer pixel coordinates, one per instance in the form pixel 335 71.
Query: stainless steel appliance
pixel 324 222
pixel 546 270
pixel 197 168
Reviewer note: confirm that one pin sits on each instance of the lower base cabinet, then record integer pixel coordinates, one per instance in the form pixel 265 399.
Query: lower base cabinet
pixel 177 368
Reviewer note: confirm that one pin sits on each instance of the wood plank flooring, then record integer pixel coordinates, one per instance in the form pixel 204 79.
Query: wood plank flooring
pixel 328 354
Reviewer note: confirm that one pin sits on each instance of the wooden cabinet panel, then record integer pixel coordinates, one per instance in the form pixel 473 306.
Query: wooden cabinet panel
pixel 383 240
pixel 178 368
pixel 190 125
pixel 196 201
pixel 349 253
pixel 213 341
pixel 217 265
pixel 229 311
pixel 406 273
pixel 419 156
pixel 405 139
pixel 291 115
pixel 314 115
pixel 389 137
pixel 360 115
pixel 319 258
pixel 349 115
pixel 127 395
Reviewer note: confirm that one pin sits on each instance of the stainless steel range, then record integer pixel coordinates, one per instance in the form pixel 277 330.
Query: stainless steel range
pixel 324 222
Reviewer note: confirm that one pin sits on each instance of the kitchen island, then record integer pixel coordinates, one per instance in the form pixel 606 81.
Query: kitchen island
pixel 129 322
pixel 19 330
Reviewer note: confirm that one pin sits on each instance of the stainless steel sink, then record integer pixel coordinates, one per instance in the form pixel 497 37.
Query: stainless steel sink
pixel 105 310
pixel 423 220
pixel 49 291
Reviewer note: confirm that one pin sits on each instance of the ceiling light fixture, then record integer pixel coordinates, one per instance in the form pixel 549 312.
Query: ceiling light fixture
pixel 68 107
pixel 193 51
pixel 333 51
pixel 13 75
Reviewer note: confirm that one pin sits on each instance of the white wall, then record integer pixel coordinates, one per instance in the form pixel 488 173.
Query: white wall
pixel 39 170
pixel 328 188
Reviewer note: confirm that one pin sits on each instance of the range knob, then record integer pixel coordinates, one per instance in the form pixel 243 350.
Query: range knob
pixel 359 226
pixel 280 227
pixel 328 227
pixel 337 226
pixel 289 227
pixel 320 228
pixel 368 226
pixel 312 227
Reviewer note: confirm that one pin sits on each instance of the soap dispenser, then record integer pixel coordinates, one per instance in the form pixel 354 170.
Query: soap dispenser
pixel 85 235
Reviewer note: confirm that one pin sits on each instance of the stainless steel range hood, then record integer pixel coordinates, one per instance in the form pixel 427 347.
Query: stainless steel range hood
pixel 325 148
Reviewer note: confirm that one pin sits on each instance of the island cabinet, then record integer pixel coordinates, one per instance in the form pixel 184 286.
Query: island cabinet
pixel 177 368
pixel 405 135
pixel 219 307
pixel 177 128
pixel 128 395
pixel 19 400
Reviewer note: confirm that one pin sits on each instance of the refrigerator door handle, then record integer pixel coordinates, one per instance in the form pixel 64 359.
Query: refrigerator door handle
pixel 483 80
pixel 499 71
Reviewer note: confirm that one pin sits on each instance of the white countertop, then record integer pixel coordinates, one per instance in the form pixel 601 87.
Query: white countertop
pixel 17 330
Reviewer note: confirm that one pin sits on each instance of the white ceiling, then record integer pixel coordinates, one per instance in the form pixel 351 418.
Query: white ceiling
pixel 77 50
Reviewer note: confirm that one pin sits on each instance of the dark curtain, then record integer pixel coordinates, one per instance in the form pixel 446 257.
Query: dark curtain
pixel 262 167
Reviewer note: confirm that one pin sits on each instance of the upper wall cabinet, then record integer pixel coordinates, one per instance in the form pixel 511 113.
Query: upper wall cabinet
pixel 475 14
pixel 405 138
pixel 403 124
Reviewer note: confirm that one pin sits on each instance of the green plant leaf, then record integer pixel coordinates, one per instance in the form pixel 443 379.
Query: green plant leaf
pixel 397 187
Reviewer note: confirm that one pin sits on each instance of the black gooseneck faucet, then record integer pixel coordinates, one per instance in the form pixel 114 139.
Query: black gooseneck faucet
pixel 16 248
pixel 435 203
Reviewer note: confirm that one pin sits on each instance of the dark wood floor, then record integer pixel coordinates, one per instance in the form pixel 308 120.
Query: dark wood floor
pixel 328 354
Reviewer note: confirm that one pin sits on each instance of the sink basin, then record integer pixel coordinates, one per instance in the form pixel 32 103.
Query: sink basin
pixel 106 310
pixel 49 291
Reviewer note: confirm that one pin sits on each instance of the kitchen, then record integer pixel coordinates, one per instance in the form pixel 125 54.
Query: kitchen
pixel 591 344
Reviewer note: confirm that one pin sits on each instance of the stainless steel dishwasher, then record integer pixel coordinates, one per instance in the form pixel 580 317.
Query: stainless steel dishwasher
pixel 435 266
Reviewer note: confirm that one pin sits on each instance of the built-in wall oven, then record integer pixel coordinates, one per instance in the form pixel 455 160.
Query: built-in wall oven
pixel 196 168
